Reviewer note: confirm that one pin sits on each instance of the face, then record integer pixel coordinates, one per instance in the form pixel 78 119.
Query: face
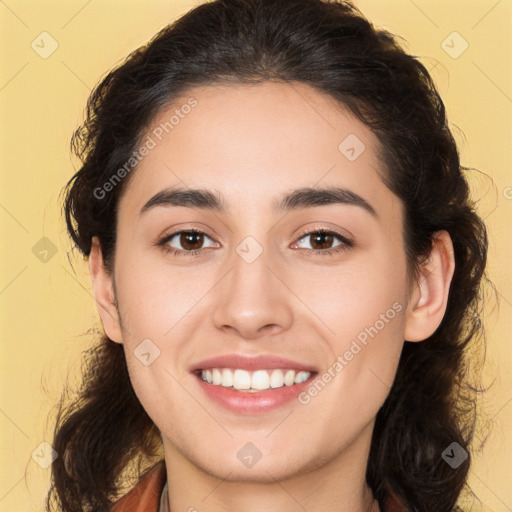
pixel 267 292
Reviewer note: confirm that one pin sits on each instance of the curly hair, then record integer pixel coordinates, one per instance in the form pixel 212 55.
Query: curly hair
pixel 332 47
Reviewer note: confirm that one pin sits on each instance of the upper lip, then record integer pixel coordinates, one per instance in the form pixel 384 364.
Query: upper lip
pixel 264 361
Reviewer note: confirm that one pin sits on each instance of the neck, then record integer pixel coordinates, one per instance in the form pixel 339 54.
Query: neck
pixel 337 485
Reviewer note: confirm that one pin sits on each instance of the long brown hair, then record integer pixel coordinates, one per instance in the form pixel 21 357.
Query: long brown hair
pixel 333 48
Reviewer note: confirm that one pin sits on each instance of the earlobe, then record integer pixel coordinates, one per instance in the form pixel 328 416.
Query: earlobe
pixel 103 286
pixel 429 296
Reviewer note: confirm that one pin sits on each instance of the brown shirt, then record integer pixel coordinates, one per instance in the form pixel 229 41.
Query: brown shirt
pixel 146 495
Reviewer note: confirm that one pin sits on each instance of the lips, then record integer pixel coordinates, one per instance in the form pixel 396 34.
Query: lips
pixel 261 362
pixel 254 396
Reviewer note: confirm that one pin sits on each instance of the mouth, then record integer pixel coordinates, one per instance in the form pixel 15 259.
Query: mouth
pixel 253 381
pixel 252 385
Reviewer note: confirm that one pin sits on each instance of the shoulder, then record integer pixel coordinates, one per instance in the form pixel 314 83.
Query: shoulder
pixel 145 496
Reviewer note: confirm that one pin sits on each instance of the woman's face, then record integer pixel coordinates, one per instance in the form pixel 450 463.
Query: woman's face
pixel 264 291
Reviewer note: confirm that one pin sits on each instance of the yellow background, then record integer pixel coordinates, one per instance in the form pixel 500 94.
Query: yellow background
pixel 48 307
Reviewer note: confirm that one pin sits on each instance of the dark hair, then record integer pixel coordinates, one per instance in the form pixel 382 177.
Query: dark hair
pixel 333 48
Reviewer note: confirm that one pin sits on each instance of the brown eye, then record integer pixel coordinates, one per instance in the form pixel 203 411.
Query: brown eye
pixel 191 240
pixel 185 243
pixel 323 242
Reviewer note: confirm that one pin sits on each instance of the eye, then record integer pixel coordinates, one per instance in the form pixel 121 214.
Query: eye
pixel 190 240
pixel 322 240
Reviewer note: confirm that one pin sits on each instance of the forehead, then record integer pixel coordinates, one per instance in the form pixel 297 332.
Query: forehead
pixel 253 142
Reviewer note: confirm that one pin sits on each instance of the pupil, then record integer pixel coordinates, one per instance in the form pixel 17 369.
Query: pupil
pixel 187 239
pixel 320 236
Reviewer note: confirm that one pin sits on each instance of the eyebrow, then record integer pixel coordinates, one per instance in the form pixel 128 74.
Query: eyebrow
pixel 299 198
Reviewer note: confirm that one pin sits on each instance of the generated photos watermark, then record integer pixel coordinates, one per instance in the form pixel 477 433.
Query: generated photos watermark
pixel 355 348
pixel 149 143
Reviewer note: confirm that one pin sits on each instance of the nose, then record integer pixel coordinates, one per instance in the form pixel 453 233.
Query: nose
pixel 253 300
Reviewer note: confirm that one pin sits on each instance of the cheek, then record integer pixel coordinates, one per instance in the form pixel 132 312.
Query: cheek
pixel 369 291
pixel 364 349
pixel 362 310
pixel 155 296
pixel 160 387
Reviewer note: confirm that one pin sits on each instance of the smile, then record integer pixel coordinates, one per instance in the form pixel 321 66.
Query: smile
pixel 253 381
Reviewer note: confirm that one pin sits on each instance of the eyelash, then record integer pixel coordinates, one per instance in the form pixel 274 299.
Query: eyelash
pixel 346 243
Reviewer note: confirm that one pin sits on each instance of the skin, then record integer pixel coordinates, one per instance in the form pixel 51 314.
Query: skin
pixel 252 144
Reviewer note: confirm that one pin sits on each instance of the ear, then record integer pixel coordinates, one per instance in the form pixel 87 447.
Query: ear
pixel 429 296
pixel 103 285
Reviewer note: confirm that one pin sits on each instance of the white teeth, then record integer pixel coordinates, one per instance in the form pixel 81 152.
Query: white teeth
pixel 260 380
pixel 277 379
pixel 241 379
pixel 227 377
pixel 289 378
pixel 253 381
pixel 301 377
pixel 216 376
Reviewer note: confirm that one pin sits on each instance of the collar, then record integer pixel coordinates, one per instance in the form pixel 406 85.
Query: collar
pixel 145 496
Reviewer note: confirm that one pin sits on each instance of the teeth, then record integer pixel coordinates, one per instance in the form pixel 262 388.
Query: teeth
pixel 241 379
pixel 277 379
pixel 289 378
pixel 227 377
pixel 216 376
pixel 253 381
pixel 260 380
pixel 301 377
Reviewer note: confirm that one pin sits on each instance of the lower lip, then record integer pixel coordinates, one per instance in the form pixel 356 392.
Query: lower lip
pixel 253 403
